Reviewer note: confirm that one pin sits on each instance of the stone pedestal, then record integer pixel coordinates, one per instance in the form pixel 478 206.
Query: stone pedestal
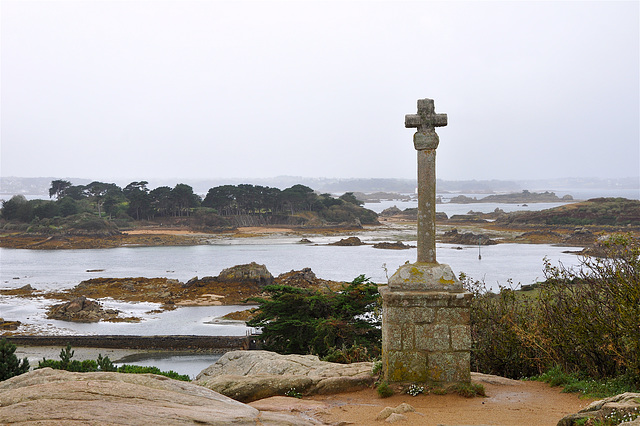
pixel 426 336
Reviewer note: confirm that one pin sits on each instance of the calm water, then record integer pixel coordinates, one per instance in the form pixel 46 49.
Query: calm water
pixel 58 269
pixel 189 364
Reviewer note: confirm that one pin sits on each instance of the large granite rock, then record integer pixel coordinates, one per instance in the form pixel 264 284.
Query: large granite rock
pixel 81 309
pixel 250 273
pixel 467 238
pixel 348 242
pixel 251 375
pixel 55 397
pixel 626 403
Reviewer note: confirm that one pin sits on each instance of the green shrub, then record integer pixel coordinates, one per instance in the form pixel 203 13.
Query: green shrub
pixel 103 364
pixel 65 355
pixel 499 345
pixel 343 326
pixel 592 315
pixel 384 390
pixel 583 321
pixel 581 383
pixel 293 393
pixel 10 366
pixel 136 369
pixel 344 355
pixel 377 368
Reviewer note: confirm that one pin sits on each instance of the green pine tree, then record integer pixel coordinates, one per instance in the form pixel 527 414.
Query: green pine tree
pixel 9 364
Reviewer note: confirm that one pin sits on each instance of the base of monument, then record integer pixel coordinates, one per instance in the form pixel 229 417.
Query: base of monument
pixel 426 337
pixel 425 277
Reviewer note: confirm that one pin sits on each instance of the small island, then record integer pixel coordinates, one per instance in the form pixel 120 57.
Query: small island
pixel 514 198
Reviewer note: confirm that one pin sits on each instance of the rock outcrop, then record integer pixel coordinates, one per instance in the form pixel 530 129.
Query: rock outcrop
pixel 580 237
pixel 350 241
pixel 468 238
pixel 232 287
pixel 251 375
pixel 9 325
pixel 249 274
pixel 81 309
pixel 399 245
pixel 623 406
pixel 56 397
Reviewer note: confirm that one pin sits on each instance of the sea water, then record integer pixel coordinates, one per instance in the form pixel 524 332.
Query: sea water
pixel 63 269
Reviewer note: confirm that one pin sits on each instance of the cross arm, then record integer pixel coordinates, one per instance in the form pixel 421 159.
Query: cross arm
pixel 429 121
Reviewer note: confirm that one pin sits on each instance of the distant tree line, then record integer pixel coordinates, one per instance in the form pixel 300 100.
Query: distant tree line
pixel 106 199
pixel 254 199
pixel 137 202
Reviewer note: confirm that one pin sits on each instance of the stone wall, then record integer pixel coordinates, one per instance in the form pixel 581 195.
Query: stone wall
pixel 221 343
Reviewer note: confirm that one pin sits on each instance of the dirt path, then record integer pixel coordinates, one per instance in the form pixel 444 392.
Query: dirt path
pixel 508 402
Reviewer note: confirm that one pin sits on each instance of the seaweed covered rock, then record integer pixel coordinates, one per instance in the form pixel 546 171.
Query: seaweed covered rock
pixel 399 245
pixel 467 238
pixel 9 325
pixel 349 242
pixel 81 309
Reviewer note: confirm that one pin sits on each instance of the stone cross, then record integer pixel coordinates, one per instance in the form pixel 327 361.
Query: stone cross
pixel 426 336
pixel 425 141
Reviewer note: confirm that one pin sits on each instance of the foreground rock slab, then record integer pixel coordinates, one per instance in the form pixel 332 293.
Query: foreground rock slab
pixel 251 375
pixel 626 405
pixel 55 397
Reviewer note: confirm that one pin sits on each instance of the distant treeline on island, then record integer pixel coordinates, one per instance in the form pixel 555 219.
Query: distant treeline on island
pixel 295 205
pixel 514 198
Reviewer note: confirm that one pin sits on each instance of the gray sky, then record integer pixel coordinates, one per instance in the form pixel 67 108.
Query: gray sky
pixel 207 89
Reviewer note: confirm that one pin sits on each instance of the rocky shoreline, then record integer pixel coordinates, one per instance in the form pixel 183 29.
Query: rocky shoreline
pixel 233 286
pixel 464 224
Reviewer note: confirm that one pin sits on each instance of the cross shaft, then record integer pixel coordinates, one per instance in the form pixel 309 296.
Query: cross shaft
pixel 426 141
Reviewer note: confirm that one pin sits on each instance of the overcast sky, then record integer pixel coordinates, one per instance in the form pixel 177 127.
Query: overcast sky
pixel 208 89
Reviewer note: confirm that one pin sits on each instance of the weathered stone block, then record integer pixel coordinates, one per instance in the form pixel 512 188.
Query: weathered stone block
pixel 424 277
pixel 408 337
pixel 393 341
pixel 460 337
pixel 406 367
pixel 449 367
pixel 413 299
pixel 461 299
pixel 453 316
pixel 433 337
pixel 421 315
